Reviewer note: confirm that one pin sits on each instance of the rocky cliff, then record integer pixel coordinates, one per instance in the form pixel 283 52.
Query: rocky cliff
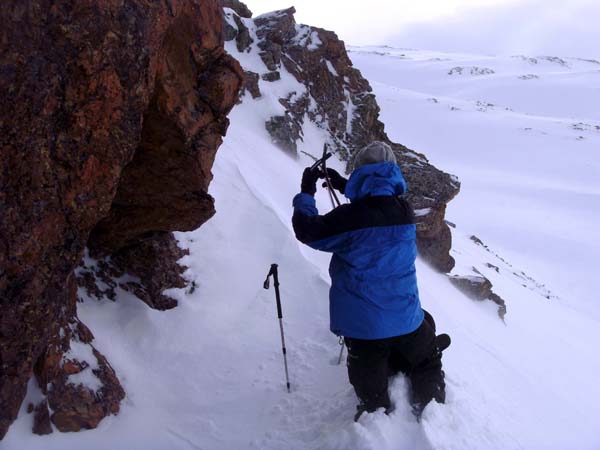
pixel 112 113
pixel 331 94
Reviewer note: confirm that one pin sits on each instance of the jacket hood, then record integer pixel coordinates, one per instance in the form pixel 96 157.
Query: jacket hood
pixel 375 179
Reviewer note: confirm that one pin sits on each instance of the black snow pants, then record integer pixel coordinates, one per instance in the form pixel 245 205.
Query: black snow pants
pixel 371 362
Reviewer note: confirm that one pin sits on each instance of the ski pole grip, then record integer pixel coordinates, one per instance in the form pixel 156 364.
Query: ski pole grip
pixel 272 270
pixel 276 284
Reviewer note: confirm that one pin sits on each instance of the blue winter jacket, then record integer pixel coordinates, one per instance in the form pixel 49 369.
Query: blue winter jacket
pixel 374 291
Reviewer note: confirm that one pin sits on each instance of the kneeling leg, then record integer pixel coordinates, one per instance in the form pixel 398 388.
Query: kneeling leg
pixel 368 373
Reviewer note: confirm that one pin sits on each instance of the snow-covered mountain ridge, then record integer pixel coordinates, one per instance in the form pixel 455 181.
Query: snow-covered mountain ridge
pixel 209 373
pixel 526 147
pixel 302 79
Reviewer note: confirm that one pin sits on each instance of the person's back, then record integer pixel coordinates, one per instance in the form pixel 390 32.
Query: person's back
pixel 374 301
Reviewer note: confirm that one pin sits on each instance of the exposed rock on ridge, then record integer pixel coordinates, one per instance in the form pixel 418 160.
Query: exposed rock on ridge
pixel 240 8
pixel 111 116
pixel 129 270
pixel 337 98
pixel 479 288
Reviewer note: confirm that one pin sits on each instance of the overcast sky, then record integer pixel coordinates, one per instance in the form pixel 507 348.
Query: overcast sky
pixel 554 27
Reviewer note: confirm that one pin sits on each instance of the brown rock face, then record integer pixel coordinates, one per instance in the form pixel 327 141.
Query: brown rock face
pixel 479 288
pixel 100 279
pixel 240 8
pixel 164 187
pixel 339 100
pixel 251 84
pixel 64 368
pixel 41 419
pixel 111 116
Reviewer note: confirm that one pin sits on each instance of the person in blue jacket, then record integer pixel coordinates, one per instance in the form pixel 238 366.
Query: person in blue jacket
pixel 374 300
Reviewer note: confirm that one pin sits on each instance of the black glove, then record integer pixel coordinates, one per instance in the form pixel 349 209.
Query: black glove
pixel 309 181
pixel 337 181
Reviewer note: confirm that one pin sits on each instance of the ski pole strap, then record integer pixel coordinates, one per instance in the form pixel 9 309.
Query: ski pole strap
pixel 273 271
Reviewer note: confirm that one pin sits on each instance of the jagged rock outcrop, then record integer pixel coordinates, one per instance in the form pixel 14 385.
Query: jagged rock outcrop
pixel 111 116
pixel 81 387
pixel 41 419
pixel 129 270
pixel 337 98
pixel 285 132
pixel 240 8
pixel 479 288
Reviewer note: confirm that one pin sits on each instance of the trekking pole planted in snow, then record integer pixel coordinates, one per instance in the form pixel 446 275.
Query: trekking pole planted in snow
pixel 273 271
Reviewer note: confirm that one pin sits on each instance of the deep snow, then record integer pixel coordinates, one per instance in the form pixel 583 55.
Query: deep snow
pixel 209 374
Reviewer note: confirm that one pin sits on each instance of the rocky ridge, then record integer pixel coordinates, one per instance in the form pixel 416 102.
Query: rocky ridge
pixel 112 115
pixel 334 96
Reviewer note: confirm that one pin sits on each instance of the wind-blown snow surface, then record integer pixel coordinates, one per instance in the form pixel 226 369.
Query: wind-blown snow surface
pixel 209 374
pixel 523 136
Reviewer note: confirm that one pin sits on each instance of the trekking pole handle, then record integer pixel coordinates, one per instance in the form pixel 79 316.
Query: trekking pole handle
pixel 273 271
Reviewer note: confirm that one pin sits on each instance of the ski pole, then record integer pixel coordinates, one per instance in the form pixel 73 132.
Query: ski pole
pixel 273 271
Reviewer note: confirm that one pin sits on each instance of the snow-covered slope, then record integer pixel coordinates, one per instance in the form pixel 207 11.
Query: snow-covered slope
pixel 523 136
pixel 209 374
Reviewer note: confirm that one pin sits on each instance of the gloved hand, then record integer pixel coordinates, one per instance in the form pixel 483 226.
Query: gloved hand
pixel 337 181
pixel 309 181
